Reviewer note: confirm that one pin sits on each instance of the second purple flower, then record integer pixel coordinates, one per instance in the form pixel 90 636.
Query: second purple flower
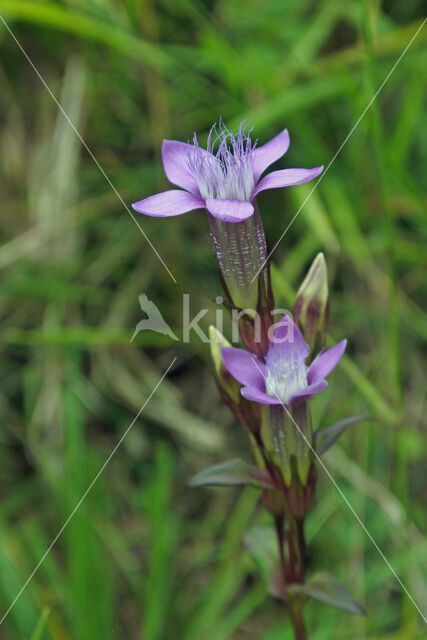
pixel 284 377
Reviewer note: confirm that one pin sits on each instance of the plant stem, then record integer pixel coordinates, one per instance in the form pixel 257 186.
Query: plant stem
pixel 291 547
pixel 280 538
pixel 290 571
pixel 301 548
pixel 297 618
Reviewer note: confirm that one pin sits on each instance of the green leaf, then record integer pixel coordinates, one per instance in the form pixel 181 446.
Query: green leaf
pixel 325 438
pixel 325 588
pixel 261 544
pixel 41 625
pixel 50 14
pixel 232 473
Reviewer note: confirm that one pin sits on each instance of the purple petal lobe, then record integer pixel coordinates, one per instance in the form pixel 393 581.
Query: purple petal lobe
pixel 176 156
pixel 255 395
pixel 229 210
pixel 287 178
pixel 325 362
pixel 169 203
pixel 244 366
pixel 287 347
pixel 286 332
pixel 271 151
pixel 309 391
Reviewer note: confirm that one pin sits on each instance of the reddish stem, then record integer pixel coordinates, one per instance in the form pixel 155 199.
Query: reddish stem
pixel 292 552
pixel 297 618
pixel 278 520
pixel 301 548
pixel 293 571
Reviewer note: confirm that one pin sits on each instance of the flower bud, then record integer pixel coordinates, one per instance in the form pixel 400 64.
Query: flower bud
pixel 274 501
pixel 225 380
pixel 299 499
pixel 311 309
pixel 245 412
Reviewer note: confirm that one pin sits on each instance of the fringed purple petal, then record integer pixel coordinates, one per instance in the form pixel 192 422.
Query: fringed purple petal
pixel 169 203
pixel 176 157
pixel 269 152
pixel 255 395
pixel 229 210
pixel 287 178
pixel 244 367
pixel 325 362
pixel 309 391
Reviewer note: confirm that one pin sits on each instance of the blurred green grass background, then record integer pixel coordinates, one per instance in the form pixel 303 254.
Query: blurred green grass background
pixel 144 557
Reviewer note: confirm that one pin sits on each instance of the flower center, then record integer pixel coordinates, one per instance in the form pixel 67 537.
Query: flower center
pixel 227 173
pixel 284 376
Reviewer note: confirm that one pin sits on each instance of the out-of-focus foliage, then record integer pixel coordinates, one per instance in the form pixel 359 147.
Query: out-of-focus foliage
pixel 143 556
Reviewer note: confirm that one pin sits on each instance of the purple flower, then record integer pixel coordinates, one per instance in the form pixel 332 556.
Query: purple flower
pixel 224 178
pixel 284 376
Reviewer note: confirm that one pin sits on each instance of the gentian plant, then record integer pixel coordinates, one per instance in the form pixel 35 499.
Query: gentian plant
pixel 270 384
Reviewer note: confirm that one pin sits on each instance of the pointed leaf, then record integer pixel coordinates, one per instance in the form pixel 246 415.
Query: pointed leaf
pixel 232 473
pixel 325 588
pixel 277 585
pixel 325 438
pixel 261 544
